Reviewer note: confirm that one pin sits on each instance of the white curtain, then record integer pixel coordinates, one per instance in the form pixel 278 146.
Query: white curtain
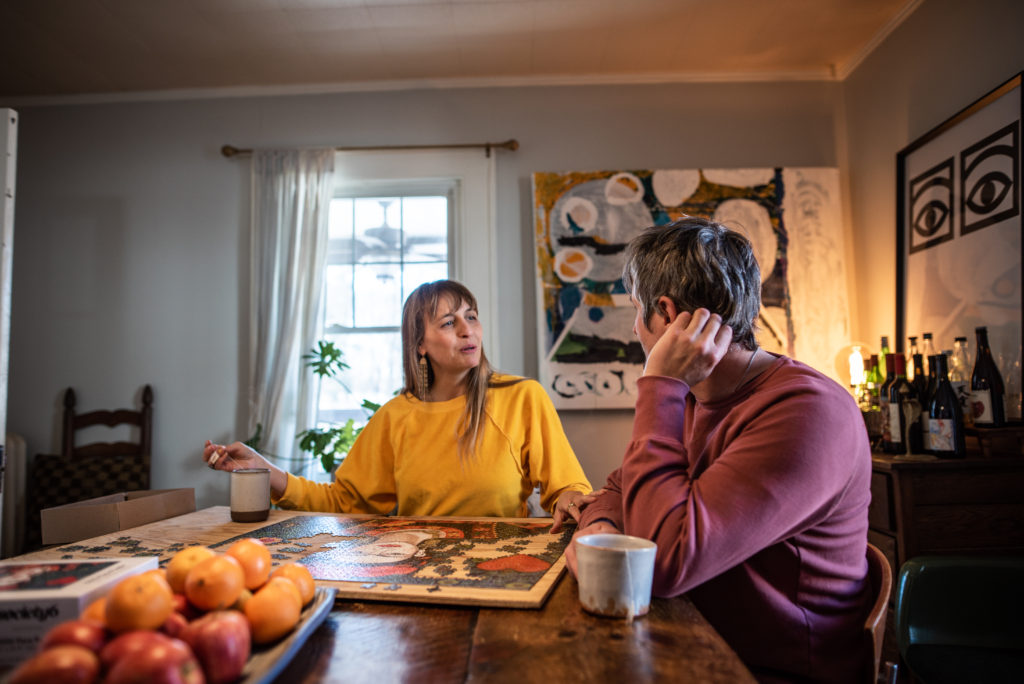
pixel 291 193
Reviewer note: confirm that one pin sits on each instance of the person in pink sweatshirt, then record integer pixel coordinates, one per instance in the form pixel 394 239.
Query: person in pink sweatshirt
pixel 750 470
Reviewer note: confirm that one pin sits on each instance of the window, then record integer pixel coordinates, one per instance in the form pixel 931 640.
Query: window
pixel 399 219
pixel 381 247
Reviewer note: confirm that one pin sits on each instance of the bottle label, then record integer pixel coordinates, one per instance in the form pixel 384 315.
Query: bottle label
pixel 981 406
pixel 895 431
pixel 940 432
pixel 963 393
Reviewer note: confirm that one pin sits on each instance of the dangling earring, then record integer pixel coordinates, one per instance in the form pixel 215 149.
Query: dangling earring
pixel 423 377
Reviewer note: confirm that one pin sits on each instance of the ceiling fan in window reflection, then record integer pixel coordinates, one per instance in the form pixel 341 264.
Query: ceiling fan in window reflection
pixel 386 243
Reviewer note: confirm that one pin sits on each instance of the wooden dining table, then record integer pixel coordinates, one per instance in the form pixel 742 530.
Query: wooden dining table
pixel 387 641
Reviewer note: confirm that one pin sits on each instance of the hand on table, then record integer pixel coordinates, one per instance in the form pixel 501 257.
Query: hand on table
pixel 598 527
pixel 690 347
pixel 569 504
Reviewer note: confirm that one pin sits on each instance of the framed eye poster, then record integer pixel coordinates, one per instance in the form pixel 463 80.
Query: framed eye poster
pixel 958 237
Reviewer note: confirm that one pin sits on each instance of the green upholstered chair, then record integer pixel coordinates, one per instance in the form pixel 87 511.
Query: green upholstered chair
pixel 961 618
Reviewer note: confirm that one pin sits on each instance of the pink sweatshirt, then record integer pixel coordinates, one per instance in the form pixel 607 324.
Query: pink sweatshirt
pixel 758 504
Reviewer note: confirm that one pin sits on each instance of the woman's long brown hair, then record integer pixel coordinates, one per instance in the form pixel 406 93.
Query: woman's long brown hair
pixel 421 306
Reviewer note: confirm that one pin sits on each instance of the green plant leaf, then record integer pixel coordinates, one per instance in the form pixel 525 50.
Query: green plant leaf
pixel 254 441
pixel 329 445
pixel 326 359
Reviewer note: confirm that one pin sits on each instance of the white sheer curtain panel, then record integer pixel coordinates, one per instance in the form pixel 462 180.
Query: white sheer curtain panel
pixel 291 194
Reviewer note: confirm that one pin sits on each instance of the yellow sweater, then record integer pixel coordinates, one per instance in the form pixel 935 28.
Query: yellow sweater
pixel 408 455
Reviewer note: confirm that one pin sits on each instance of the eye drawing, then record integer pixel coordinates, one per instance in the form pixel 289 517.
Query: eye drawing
pixel 930 218
pixel 931 207
pixel 988 192
pixel 988 183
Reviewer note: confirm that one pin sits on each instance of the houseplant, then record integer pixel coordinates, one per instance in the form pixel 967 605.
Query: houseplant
pixel 331 444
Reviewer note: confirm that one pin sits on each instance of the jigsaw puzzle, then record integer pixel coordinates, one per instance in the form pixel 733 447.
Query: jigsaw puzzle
pixel 477 561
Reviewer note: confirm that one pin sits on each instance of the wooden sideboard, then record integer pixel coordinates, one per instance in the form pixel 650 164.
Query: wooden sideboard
pixel 921 505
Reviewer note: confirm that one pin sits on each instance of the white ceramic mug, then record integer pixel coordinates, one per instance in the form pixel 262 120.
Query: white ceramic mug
pixel 250 494
pixel 615 573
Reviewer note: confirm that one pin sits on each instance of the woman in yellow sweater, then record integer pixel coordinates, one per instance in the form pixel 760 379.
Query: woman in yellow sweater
pixel 460 439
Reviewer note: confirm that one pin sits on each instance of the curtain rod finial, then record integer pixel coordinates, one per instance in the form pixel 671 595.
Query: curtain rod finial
pixel 229 150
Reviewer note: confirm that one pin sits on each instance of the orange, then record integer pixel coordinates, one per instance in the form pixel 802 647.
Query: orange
pixel 138 602
pixel 96 611
pixel 160 575
pixel 214 583
pixel 239 603
pixel 301 576
pixel 182 562
pixel 274 610
pixel 254 557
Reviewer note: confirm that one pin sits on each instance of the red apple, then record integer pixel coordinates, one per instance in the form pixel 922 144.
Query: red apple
pixel 87 633
pixel 60 664
pixel 174 623
pixel 129 642
pixel 221 640
pixel 169 661
pixel 179 603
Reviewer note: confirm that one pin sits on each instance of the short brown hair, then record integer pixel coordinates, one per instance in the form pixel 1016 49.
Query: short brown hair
pixel 697 263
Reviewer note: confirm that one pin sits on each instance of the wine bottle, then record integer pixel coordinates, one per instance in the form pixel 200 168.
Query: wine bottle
pixel 986 385
pixel 945 417
pixel 874 380
pixel 863 390
pixel 933 381
pixel 883 399
pixel 960 377
pixel 883 357
pixel 927 350
pixel 920 385
pixel 904 412
pixel 911 350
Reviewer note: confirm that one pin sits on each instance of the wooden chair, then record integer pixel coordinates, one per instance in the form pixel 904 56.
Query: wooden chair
pixel 137 452
pixel 880 579
pixel 85 471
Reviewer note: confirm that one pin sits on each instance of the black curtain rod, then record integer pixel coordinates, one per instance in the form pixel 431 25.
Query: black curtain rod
pixel 513 144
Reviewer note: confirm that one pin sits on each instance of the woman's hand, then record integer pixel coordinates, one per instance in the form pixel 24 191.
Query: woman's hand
pixel 232 457
pixel 596 527
pixel 236 456
pixel 569 505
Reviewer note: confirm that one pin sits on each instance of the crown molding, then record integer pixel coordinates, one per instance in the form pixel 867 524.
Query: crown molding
pixel 566 80
pixel 850 65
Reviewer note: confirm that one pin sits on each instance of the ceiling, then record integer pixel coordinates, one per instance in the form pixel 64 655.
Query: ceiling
pixel 147 48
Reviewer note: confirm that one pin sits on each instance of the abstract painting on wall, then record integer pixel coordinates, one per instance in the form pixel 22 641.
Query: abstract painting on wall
pixel 589 357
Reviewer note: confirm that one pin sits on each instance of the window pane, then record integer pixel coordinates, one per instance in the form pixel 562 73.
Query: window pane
pixel 425 228
pixel 340 219
pixel 378 222
pixel 378 297
pixel 338 295
pixel 375 373
pixel 417 274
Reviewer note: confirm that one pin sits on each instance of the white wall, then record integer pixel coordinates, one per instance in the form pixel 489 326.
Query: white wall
pixel 130 242
pixel 947 54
